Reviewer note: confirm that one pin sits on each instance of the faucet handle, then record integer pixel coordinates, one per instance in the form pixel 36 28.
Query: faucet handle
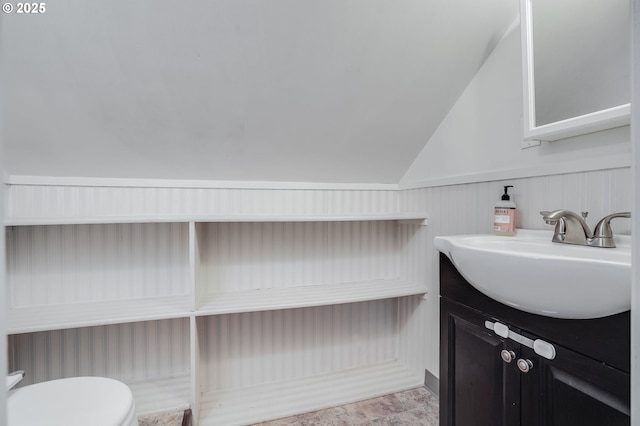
pixel 603 228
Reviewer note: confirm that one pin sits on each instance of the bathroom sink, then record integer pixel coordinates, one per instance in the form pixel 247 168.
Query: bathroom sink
pixel 530 273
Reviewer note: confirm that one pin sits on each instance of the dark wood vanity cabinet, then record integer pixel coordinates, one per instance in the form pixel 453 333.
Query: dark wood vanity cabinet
pixel 573 389
pixel 476 386
pixel 586 384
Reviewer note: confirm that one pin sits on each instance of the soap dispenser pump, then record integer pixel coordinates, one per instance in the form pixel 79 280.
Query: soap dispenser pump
pixel 504 217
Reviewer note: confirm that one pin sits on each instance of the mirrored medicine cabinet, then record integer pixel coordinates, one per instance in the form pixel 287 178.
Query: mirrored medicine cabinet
pixel 576 67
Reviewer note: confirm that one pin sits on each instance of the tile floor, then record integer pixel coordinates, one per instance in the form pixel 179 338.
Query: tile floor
pixel 417 407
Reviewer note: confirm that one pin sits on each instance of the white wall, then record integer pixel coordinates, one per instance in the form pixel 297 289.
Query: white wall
pixel 480 139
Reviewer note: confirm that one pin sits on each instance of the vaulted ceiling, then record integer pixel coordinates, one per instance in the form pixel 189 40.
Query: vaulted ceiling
pixel 264 90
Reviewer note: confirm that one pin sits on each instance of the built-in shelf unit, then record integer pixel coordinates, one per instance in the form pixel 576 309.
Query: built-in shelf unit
pixel 239 317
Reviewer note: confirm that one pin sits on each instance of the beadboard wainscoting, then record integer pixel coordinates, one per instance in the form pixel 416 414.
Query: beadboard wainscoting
pixel 68 203
pixel 242 305
pixel 246 305
pixel 468 209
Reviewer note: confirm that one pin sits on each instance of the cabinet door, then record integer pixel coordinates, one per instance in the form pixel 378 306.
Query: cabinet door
pixel 573 390
pixel 476 386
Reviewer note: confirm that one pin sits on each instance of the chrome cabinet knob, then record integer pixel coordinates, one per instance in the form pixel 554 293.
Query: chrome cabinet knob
pixel 507 356
pixel 525 365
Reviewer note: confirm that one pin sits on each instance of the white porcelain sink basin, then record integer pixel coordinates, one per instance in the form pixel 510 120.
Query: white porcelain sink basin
pixel 530 273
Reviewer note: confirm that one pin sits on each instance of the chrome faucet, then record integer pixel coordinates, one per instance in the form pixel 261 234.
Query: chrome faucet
pixel 572 229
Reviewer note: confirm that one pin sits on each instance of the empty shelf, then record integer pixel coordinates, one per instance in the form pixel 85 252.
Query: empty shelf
pixel 55 317
pixel 307 296
pixel 161 395
pixel 282 399
pixel 26 221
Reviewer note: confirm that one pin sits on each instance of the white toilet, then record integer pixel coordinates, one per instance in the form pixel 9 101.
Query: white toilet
pixel 77 401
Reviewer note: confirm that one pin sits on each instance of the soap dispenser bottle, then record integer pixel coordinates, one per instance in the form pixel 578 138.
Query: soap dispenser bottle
pixel 504 217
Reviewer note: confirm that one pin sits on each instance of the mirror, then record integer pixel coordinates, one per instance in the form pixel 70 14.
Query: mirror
pixel 576 67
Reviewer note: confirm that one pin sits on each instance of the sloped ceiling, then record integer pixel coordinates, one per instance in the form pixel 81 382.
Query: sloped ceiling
pixel 258 90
